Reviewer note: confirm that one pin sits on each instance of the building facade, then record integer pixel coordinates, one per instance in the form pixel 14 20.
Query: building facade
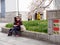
pixel 11 8
pixel 54 5
pixel 46 5
pixel 8 10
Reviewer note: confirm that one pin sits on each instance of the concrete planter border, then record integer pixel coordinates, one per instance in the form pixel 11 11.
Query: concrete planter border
pixel 36 35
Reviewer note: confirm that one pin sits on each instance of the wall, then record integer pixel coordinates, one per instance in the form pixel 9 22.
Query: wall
pixel 24 15
pixel 11 5
pixel 52 5
pixel 37 35
pixel 10 9
pixel 55 4
pixel 53 15
pixel 0 5
pixel 9 17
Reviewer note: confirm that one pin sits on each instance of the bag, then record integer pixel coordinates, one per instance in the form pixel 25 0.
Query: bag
pixel 10 33
pixel 23 28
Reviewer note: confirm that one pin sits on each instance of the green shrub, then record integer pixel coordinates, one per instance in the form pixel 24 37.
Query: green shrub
pixel 36 25
pixel 9 25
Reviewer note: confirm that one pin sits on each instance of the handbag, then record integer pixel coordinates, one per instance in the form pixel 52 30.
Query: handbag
pixel 23 28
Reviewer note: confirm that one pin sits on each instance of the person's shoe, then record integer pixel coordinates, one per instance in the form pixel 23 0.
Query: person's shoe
pixel 17 36
pixel 9 35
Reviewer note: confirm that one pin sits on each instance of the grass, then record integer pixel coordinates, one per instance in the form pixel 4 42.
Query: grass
pixel 9 25
pixel 36 25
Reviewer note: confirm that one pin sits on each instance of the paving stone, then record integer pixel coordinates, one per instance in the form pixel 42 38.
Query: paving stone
pixel 11 40
pixel 5 40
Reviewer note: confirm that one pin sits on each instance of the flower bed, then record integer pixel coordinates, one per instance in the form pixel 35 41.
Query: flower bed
pixel 37 25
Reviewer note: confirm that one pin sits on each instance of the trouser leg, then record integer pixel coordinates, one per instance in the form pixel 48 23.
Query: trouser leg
pixel 10 32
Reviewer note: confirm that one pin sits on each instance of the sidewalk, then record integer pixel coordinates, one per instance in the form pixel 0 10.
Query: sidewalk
pixel 5 40
pixel 2 25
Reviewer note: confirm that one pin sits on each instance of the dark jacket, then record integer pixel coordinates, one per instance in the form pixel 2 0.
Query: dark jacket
pixel 18 23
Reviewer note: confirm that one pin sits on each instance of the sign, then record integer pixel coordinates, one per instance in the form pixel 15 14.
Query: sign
pixel 56 26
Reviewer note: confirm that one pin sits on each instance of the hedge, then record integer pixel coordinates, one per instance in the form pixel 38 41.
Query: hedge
pixel 36 25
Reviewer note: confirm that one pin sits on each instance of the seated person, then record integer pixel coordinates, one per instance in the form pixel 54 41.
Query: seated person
pixel 16 28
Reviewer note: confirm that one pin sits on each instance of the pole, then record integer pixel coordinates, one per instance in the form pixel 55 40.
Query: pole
pixel 2 8
pixel 18 6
